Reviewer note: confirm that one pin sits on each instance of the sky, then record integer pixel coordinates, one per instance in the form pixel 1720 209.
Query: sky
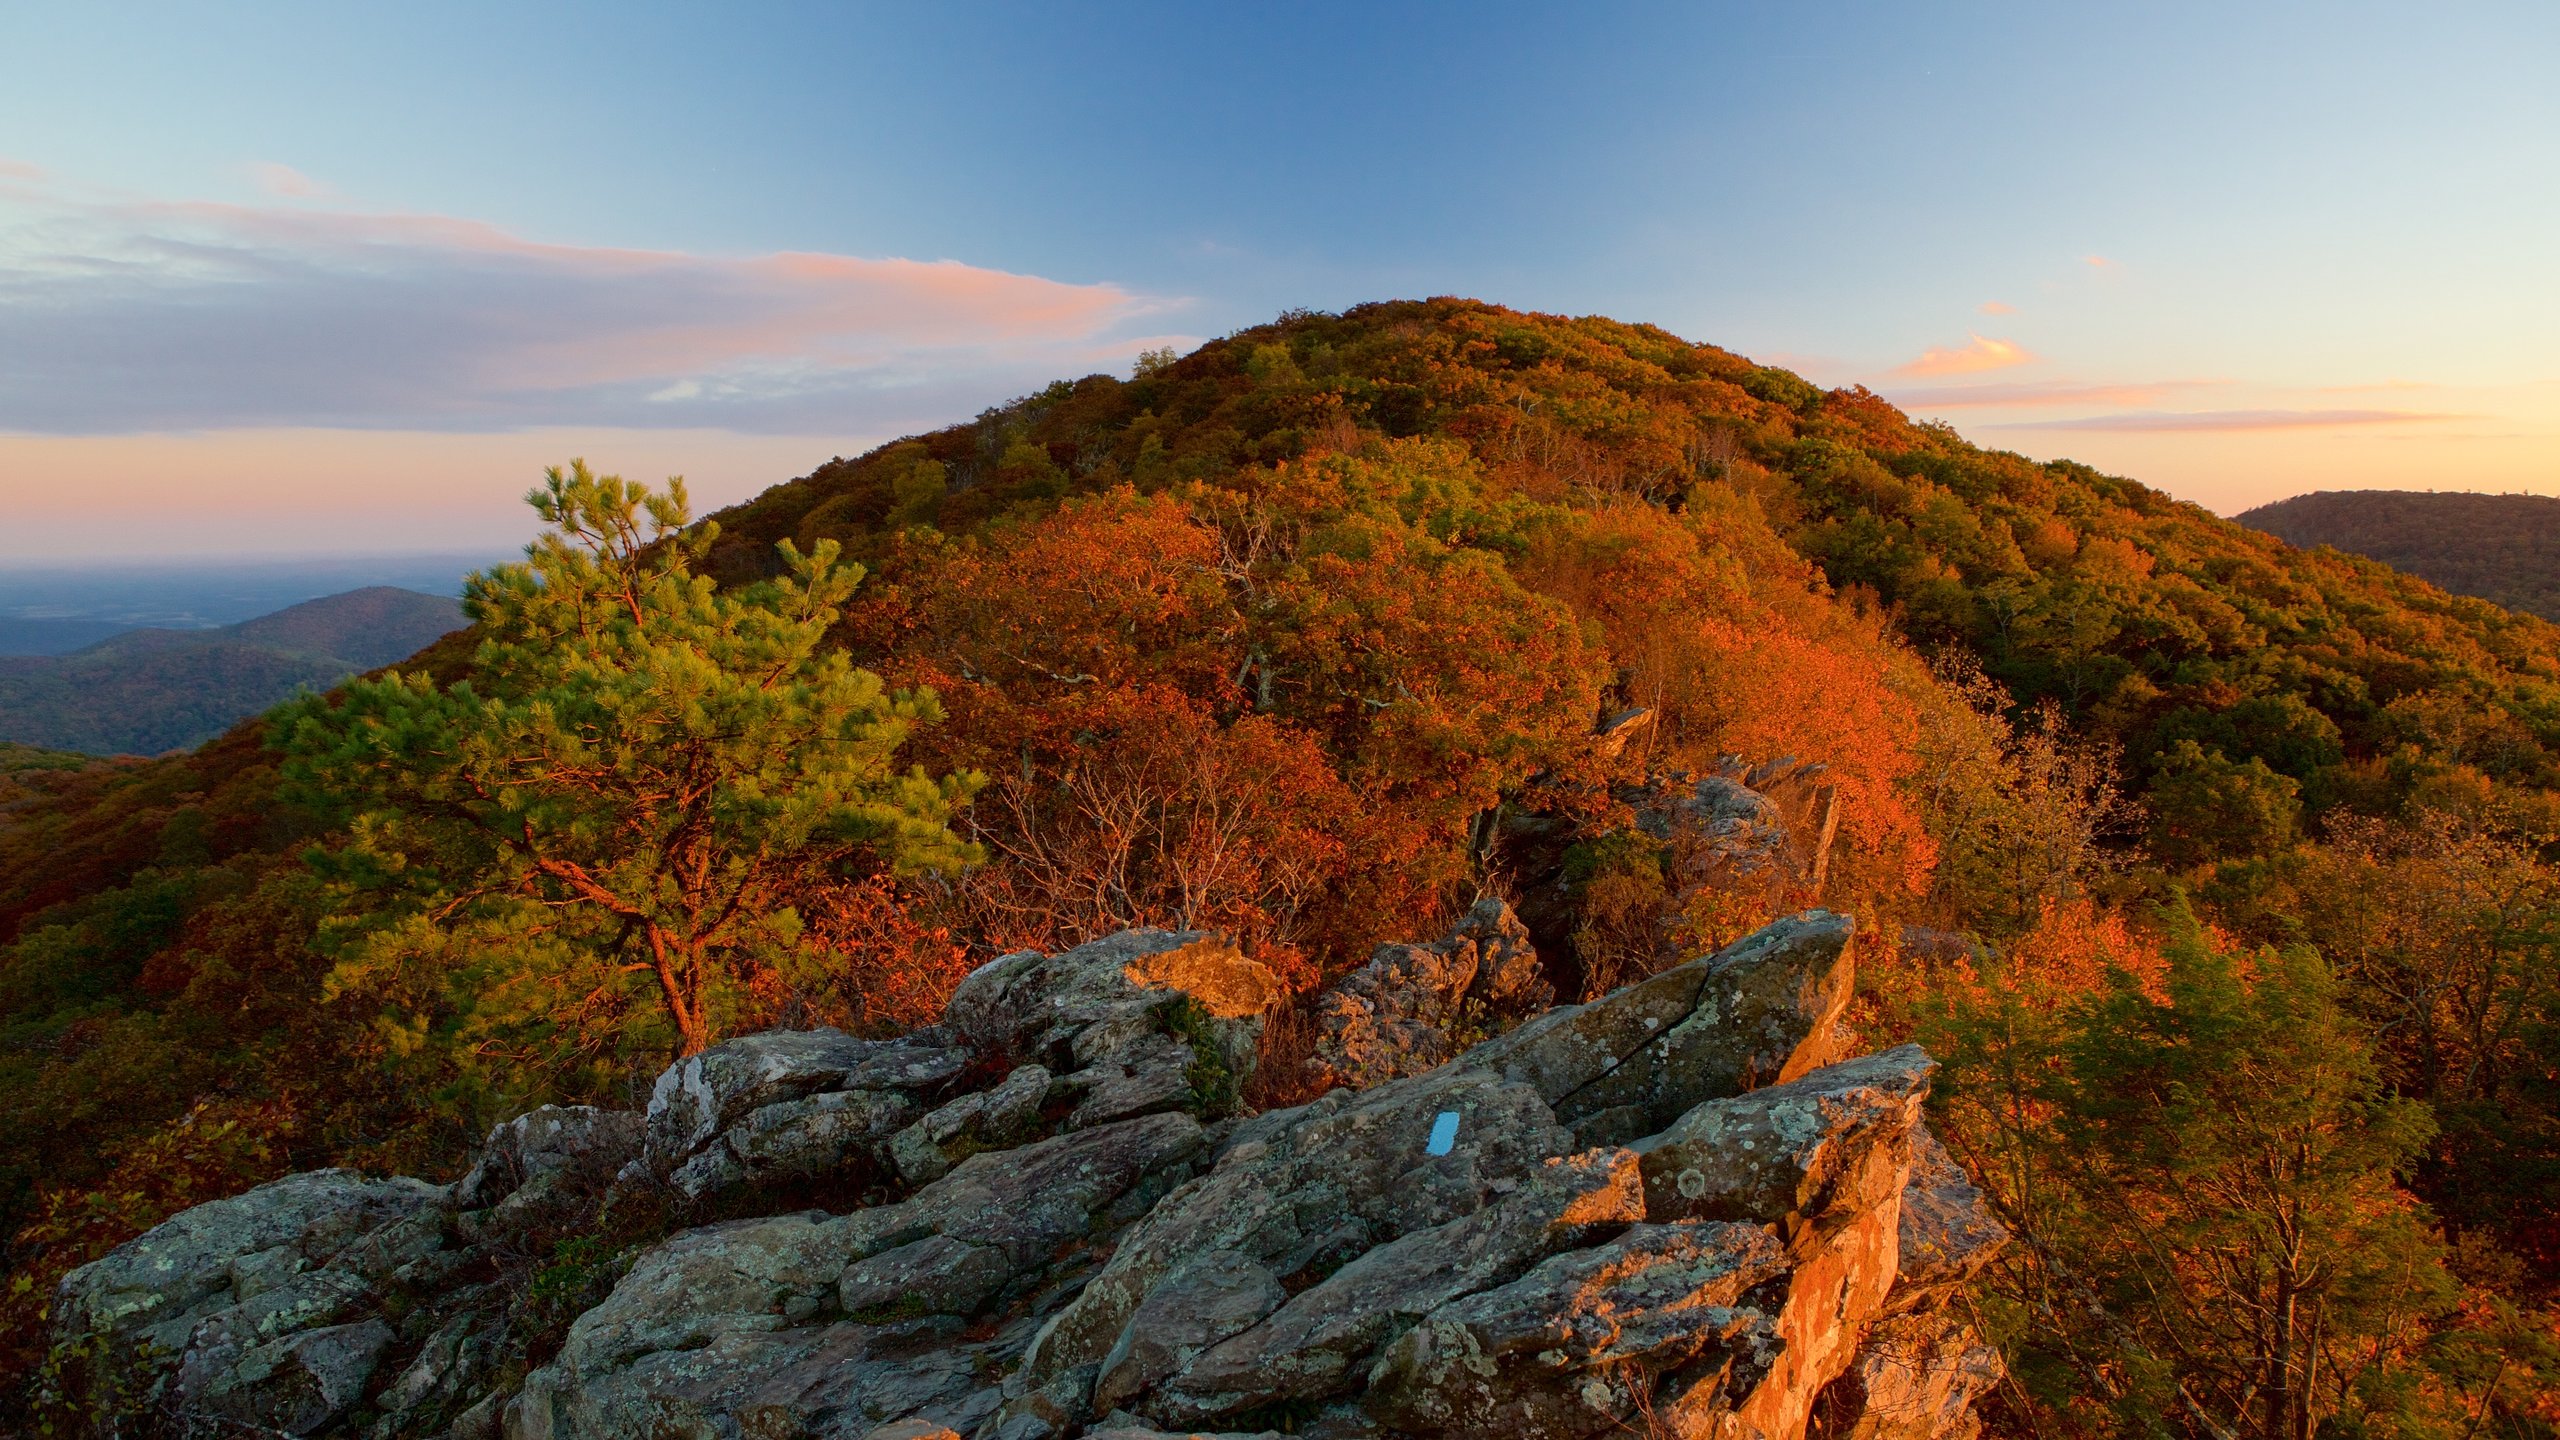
pixel 300 279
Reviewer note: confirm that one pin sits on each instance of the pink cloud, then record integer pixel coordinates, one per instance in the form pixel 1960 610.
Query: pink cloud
pixel 2098 262
pixel 153 314
pixel 291 183
pixel 1977 354
pixel 2227 421
pixel 20 169
pixel 2037 394
pixel 1998 307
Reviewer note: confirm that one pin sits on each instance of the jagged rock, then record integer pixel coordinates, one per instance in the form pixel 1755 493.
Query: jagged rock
pixel 701 1095
pixel 295 1384
pixel 226 1280
pixel 936 1275
pixel 481 1419
pixel 1042 1006
pixel 817 1132
pixel 821 1380
pixel 982 1120
pixel 1825 1159
pixel 714 1291
pixel 1576 1346
pixel 1148 1432
pixel 1919 1369
pixel 744 1275
pixel 1133 1024
pixel 1837 1141
pixel 1306 1190
pixel 536 1153
pixel 445 1364
pixel 1610 740
pixel 1320 1342
pixel 911 1430
pixel 1916 1378
pixel 1137 1075
pixel 1466 1250
pixel 1222 1296
pixel 1761 1010
pixel 1771 823
pixel 1407 1010
pixel 1948 1232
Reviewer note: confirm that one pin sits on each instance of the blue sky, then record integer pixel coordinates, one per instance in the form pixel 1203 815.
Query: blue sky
pixel 322 277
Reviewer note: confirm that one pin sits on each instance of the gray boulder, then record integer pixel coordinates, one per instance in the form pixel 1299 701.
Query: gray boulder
pixel 1916 1377
pixel 701 1095
pixel 220 1285
pixel 1305 1191
pixel 831 1131
pixel 1662 1210
pixel 1320 1343
pixel 981 1120
pixel 1836 1142
pixel 445 1367
pixel 527 1160
pixel 1412 1007
pixel 1768 826
pixel 1221 1296
pixel 295 1384
pixel 1581 1344
pixel 736 1310
pixel 1948 1232
pixel 1132 1023
pixel 1032 1003
pixel 1762 1010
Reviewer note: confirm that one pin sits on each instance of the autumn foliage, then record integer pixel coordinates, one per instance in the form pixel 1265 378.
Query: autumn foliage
pixel 1308 637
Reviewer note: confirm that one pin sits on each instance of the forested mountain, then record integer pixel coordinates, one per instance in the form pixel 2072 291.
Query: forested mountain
pixel 148 690
pixel 2216 871
pixel 2504 548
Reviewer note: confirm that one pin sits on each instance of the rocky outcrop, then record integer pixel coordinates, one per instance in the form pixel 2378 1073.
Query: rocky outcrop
pixel 260 1310
pixel 1922 1366
pixel 1670 1209
pixel 1413 1007
pixel 1769 823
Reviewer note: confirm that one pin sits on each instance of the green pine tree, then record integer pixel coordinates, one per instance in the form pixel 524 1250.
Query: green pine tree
pixel 2202 1169
pixel 587 848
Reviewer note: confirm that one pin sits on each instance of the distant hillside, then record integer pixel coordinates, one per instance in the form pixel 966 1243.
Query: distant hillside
pixel 45 635
pixel 29 775
pixel 145 691
pixel 2503 548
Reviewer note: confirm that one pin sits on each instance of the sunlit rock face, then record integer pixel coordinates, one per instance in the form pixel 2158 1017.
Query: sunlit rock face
pixel 1673 1209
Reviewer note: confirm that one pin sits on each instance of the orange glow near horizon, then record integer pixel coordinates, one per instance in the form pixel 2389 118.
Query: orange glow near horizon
pixel 298 491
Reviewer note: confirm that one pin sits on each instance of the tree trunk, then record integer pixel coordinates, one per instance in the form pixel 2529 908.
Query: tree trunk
pixel 679 984
pixel 2280 1389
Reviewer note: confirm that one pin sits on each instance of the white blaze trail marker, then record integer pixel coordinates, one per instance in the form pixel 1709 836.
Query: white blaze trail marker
pixel 1444 1133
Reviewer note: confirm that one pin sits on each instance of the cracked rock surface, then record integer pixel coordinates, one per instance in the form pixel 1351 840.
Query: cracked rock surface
pixel 1043 1218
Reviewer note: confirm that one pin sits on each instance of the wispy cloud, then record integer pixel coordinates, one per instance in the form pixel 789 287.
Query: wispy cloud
pixel 2225 421
pixel 2098 262
pixel 20 169
pixel 124 316
pixel 1998 307
pixel 1977 354
pixel 290 183
pixel 2043 393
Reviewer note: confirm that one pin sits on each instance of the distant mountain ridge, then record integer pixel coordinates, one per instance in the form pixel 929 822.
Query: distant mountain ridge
pixel 51 635
pixel 2500 548
pixel 149 690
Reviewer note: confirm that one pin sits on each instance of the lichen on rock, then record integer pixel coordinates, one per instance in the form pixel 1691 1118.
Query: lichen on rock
pixel 1671 1207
